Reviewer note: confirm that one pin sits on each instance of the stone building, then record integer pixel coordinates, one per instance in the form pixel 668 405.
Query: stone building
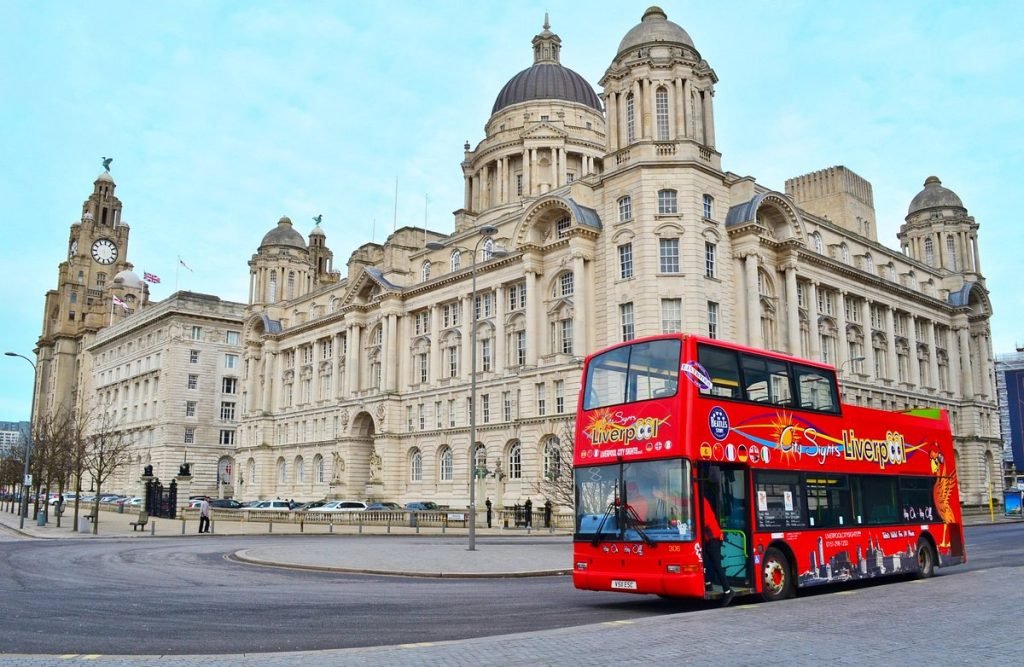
pixel 168 377
pixel 589 218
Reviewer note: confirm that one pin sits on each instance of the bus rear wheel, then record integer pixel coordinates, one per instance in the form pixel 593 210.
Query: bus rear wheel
pixel 777 581
pixel 925 560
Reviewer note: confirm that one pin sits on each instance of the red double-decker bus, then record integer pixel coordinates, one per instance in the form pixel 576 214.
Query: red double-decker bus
pixel 807 490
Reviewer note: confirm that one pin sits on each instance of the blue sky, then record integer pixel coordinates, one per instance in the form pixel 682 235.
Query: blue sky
pixel 223 116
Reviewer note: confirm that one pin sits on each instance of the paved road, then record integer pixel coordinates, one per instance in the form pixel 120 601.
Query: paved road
pixel 79 587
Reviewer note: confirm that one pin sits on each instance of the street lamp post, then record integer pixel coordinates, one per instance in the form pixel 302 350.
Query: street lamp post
pixel 851 361
pixel 23 508
pixel 497 252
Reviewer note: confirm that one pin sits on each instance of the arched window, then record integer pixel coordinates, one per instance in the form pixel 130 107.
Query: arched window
pixel 929 252
pixel 250 472
pixel 479 460
pixel 565 285
pixel 661 111
pixel 290 294
pixel 300 470
pixel 844 250
pixel 816 242
pixel 951 251
pixel 869 262
pixel 488 249
pixel 456 260
pixel 282 472
pixel 515 462
pixel 416 466
pixel 552 459
pixel 425 271
pixel 318 469
pixel 625 208
pixel 630 119
pixel 445 464
pixel 272 295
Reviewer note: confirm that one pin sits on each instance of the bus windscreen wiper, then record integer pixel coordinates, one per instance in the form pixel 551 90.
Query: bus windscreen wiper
pixel 633 521
pixel 600 527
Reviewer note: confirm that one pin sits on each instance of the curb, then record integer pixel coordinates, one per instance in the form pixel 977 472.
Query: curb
pixel 240 557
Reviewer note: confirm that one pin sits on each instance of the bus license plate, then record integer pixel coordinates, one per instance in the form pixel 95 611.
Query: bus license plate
pixel 623 585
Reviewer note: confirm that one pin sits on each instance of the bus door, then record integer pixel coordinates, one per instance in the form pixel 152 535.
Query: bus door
pixel 727 489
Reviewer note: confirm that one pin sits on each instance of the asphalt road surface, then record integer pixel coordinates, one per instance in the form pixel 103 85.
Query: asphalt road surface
pixel 179 596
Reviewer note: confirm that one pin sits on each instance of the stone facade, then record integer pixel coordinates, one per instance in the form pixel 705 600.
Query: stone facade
pixel 589 218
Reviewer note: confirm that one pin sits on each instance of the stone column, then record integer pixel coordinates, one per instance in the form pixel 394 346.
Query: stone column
pixel 915 369
pixel 526 172
pixel 269 370
pixel 890 348
pixel 688 122
pixel 933 357
pixel 435 343
pixel 467 336
pixel 534 303
pixel 709 119
pixel 638 111
pixel 966 368
pixel 502 180
pixel 355 359
pixel 391 370
pixel 612 102
pixel 869 348
pixel 792 310
pixel 648 107
pixel 750 262
pixel 812 320
pixel 581 303
pixel 842 345
pixel 499 329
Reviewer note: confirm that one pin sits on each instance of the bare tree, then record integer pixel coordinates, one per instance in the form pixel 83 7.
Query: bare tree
pixel 105 450
pixel 555 481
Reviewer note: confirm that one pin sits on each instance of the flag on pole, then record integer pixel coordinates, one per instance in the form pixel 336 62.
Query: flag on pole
pixel 118 302
pixel 182 262
pixel 150 277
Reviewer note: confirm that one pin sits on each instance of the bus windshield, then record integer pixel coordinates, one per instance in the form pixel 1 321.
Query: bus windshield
pixel 642 501
pixel 633 373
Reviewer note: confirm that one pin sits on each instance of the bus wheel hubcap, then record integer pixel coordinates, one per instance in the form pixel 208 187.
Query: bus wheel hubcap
pixel 774 577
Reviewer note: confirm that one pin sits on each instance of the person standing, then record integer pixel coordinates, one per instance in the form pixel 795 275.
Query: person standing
pixel 713 551
pixel 204 516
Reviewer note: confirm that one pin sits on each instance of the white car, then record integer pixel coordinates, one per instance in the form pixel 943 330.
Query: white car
pixel 279 505
pixel 342 506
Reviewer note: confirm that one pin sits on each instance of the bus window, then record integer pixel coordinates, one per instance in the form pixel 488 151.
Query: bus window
pixel 659 502
pixel 723 369
pixel 917 502
pixel 828 501
pixel 766 380
pixel 606 379
pixel 633 373
pixel 877 500
pixel 816 389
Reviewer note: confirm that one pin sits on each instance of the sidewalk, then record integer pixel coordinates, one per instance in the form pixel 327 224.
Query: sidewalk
pixel 403 551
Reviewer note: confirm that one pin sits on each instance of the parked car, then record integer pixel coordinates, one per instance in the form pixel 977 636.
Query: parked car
pixel 425 505
pixel 271 505
pixel 343 506
pixel 225 503
pixel 384 507
pixel 309 507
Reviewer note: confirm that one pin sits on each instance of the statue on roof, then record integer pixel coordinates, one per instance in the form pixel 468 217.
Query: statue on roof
pixel 317 218
pixel 106 163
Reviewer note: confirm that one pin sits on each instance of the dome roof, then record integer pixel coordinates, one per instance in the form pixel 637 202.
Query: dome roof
pixel 105 176
pixel 654 27
pixel 548 79
pixel 284 234
pixel 317 231
pixel 129 279
pixel 934 196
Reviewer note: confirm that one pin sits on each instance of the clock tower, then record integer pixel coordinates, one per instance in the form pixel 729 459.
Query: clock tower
pixel 94 271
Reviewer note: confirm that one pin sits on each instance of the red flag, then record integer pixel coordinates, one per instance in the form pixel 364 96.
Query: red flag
pixel 118 302
pixel 150 277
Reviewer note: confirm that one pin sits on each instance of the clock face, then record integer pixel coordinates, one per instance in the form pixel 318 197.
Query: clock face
pixel 104 251
pixel 73 249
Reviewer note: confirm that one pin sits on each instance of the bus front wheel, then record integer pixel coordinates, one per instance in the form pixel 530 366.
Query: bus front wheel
pixel 778 579
pixel 925 560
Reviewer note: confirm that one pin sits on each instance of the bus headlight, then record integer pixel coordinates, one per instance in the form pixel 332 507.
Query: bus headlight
pixel 581 565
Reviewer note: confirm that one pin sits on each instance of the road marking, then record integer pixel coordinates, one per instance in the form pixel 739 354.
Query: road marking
pixel 92 656
pixel 68 656
pixel 846 592
pixel 416 645
pixel 619 623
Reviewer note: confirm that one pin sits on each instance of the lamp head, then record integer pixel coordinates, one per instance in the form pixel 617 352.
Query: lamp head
pixel 487 230
pixel 435 245
pixel 10 354
pixel 497 252
pixel 856 359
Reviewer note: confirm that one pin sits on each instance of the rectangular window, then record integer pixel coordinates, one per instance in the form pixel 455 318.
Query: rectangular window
pixel 450 315
pixel 565 328
pixel 559 396
pixel 667 202
pixel 438 419
pixel 229 385
pixel 712 319
pixel 485 355
pixel 506 405
pixel 668 255
pixel 190 408
pixel 193 356
pixel 327 348
pixel 197 333
pixel 519 184
pixel 710 259
pixel 780 501
pixel 227 437
pixel 625 208
pixel 232 338
pixel 227 410
pixel 520 347
pixel 828 501
pixel 423 367
pixel 671 315
pixel 517 296
pixel 190 435
pixel 485 408
pixel 230 361
pixel 408 418
pixel 626 321
pixel 453 361
pixel 541 399
pixel 451 412
pixel 193 381
pixel 421 414
pixel 626 261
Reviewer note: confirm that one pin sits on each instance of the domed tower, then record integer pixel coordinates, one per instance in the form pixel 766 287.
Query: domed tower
pixel 320 256
pixel 939 232
pixel 658 92
pixel 546 130
pixel 280 270
pixel 130 290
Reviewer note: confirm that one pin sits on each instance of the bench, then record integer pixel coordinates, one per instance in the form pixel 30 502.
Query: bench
pixel 141 523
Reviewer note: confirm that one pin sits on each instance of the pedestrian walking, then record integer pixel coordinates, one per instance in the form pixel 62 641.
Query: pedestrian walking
pixel 204 516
